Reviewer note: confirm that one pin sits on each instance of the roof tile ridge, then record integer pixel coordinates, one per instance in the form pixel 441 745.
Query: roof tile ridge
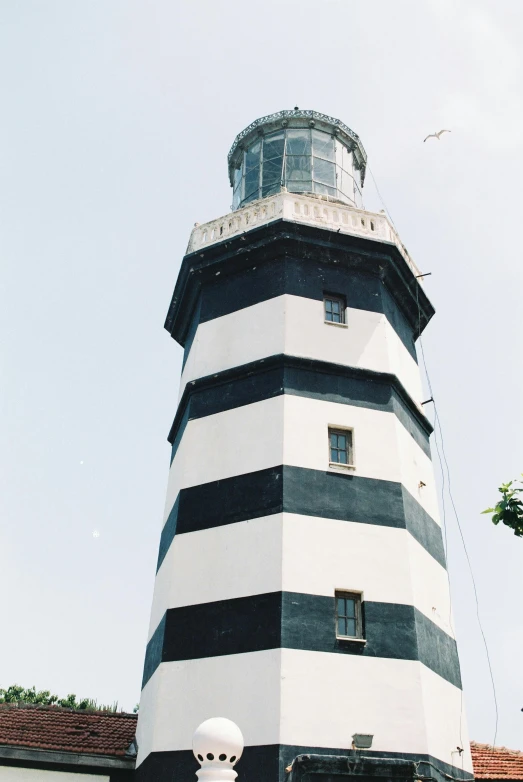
pixel 490 747
pixel 65 709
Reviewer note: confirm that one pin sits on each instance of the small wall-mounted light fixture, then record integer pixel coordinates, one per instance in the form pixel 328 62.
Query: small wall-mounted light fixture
pixel 362 740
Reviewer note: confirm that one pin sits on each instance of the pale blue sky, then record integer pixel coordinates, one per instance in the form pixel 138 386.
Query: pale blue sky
pixel 117 116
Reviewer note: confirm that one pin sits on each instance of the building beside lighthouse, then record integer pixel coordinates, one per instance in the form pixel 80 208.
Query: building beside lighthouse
pixel 301 587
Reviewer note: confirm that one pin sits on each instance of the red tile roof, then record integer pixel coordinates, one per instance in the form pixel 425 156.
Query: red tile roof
pixel 496 762
pixel 67 730
pixel 111 734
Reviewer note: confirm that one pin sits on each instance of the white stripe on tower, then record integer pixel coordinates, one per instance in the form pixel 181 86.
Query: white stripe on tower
pixel 293 430
pixel 294 325
pixel 388 563
pixel 288 696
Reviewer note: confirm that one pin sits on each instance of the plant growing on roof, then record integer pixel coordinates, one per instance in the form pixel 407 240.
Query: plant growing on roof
pixel 509 508
pixel 17 694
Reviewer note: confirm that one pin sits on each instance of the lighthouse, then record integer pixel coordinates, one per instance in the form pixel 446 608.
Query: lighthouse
pixel 301 587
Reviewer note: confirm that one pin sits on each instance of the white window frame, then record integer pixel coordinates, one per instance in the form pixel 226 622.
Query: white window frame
pixel 343 309
pixel 357 596
pixel 335 429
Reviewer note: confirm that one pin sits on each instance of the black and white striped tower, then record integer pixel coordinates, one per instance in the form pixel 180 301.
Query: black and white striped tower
pixel 301 588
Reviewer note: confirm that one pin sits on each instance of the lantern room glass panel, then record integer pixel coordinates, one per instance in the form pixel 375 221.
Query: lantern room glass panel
pixel 273 145
pixel 302 160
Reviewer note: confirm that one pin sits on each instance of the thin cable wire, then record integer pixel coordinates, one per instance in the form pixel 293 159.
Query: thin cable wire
pixel 381 198
pixel 444 513
pixel 437 428
pixel 472 579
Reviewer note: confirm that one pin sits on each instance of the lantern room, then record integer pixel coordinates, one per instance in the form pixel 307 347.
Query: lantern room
pixel 300 151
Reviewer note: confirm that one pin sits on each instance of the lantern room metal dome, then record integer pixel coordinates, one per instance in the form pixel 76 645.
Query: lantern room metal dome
pixel 301 151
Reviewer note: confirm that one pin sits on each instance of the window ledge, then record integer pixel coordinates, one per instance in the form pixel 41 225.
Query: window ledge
pixel 350 640
pixel 337 466
pixel 331 323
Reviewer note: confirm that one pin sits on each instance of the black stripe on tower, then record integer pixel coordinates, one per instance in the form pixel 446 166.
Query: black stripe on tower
pixel 291 620
pixel 283 257
pixel 330 495
pixel 270 761
pixel 280 374
pixel 298 277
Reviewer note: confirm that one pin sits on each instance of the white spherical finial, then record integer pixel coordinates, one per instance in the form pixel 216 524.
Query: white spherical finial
pixel 217 745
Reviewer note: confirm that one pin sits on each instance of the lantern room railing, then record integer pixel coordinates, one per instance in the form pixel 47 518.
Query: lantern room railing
pixel 309 209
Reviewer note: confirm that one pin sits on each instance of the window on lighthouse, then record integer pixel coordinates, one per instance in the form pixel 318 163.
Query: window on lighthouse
pixel 334 307
pixel 340 447
pixel 348 615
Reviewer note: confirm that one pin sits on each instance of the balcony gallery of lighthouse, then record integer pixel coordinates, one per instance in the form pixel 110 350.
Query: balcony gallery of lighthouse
pixel 301 587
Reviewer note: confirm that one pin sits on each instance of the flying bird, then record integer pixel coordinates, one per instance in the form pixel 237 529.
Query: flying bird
pixel 437 135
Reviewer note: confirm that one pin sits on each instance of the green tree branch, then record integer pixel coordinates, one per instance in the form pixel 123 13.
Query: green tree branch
pixel 22 696
pixel 509 509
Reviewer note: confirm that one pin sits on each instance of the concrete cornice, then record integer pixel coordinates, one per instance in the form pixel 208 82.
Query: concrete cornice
pixel 55 757
pixel 285 239
pixel 282 360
